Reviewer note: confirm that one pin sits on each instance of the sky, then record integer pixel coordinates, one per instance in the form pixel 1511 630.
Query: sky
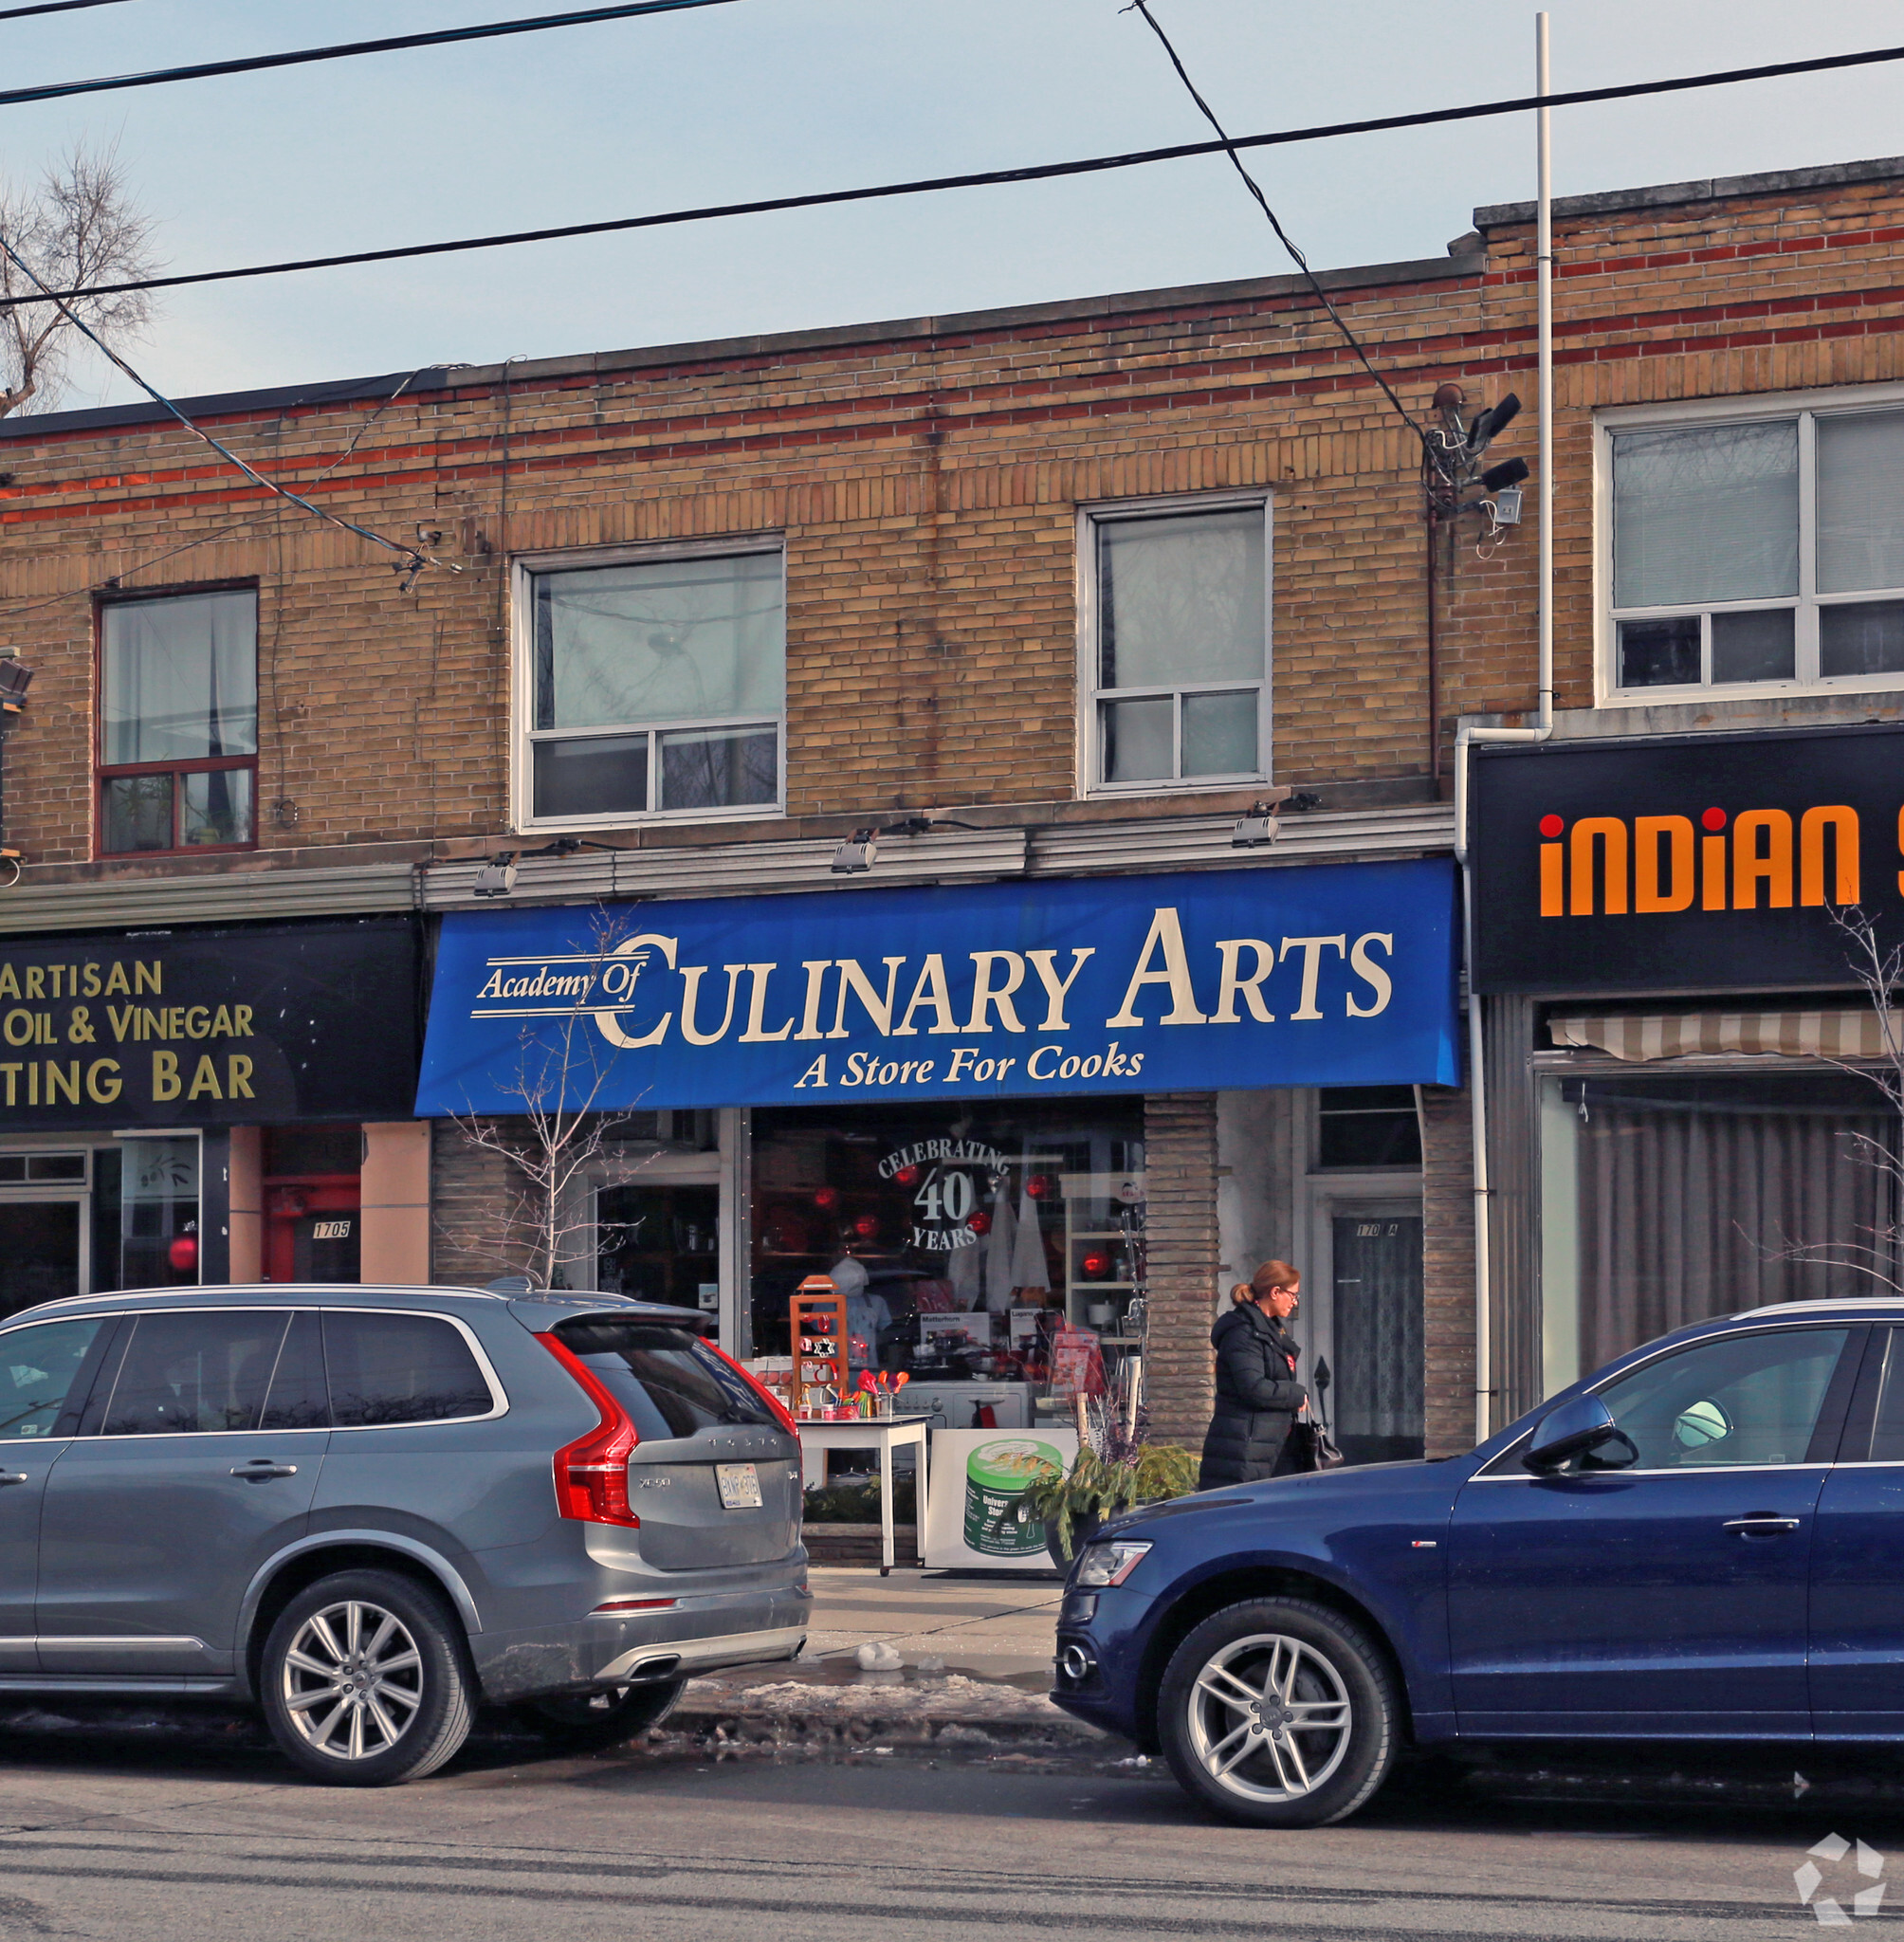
pixel 774 96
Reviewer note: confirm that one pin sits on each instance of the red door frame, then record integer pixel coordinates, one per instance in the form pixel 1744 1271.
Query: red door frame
pixel 288 1199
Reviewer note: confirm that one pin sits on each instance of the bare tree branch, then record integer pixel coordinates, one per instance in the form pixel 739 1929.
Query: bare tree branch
pixel 1881 972
pixel 554 1147
pixel 78 226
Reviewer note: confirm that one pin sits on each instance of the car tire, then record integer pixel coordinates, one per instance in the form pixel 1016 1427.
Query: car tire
pixel 585 1721
pixel 366 1680
pixel 1278 1713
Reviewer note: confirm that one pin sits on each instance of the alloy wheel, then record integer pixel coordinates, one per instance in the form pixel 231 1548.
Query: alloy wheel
pixel 353 1680
pixel 1270 1718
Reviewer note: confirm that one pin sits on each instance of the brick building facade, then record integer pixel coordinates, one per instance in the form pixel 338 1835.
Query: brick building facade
pixel 936 494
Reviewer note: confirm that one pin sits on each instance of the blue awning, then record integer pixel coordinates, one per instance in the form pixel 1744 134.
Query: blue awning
pixel 1340 975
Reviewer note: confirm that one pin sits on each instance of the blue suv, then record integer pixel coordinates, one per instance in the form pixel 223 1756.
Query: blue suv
pixel 367 1508
pixel 1704 1540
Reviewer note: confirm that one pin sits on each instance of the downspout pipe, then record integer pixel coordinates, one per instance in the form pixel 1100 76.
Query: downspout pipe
pixel 1467 733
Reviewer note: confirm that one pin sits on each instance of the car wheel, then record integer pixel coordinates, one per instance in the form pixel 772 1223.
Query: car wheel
pixel 365 1680
pixel 1280 1713
pixel 587 1720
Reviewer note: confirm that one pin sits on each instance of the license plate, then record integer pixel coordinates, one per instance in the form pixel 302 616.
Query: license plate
pixel 740 1486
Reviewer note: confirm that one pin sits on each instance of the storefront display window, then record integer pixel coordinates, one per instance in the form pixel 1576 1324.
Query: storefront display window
pixel 159 1212
pixel 980 1231
pixel 1668 1200
pixel 660 1243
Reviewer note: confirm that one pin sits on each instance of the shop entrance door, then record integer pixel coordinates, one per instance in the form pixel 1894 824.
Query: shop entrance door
pixel 311 1232
pixel 660 1242
pixel 1376 1398
pixel 42 1249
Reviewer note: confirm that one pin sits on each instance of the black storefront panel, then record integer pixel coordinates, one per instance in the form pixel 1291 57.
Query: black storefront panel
pixel 210 1028
pixel 1720 863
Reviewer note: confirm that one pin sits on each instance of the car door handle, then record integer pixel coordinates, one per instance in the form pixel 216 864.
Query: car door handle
pixel 8 1476
pixel 261 1468
pixel 1761 1524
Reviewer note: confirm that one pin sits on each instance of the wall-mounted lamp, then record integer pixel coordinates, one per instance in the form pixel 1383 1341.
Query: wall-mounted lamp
pixel 497 878
pixel 861 850
pixel 1509 472
pixel 1456 483
pixel 856 853
pixel 1260 823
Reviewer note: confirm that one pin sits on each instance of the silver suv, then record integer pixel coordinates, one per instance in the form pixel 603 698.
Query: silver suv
pixel 369 1509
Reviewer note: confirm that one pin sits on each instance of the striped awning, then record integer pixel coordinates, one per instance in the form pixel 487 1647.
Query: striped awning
pixel 1640 1037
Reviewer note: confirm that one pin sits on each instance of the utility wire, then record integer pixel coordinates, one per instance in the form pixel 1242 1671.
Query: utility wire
pixel 251 64
pixel 54 7
pixel 224 532
pixel 1041 172
pixel 1283 236
pixel 414 559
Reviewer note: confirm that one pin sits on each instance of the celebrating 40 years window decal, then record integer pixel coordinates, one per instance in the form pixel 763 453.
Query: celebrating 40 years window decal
pixel 1340 975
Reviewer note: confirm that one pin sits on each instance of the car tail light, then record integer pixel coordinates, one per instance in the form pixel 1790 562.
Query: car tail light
pixel 633 1604
pixel 760 1389
pixel 592 1473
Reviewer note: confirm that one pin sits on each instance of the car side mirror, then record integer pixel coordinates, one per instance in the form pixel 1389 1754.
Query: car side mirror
pixel 1578 1428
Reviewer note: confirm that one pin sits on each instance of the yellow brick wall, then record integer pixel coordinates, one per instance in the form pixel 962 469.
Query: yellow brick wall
pixel 929 487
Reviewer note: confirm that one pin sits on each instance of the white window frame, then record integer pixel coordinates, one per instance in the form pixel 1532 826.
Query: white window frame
pixel 1089 517
pixel 1806 407
pixel 523 570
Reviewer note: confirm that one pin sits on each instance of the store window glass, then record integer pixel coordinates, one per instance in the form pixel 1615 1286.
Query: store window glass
pixel 1182 655
pixel 660 1243
pixel 972 1232
pixel 1758 552
pixel 1367 1125
pixel 178 722
pixel 656 684
pixel 159 1212
pixel 1665 1200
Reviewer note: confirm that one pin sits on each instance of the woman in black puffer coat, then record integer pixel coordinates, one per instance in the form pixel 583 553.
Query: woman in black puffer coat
pixel 1257 1393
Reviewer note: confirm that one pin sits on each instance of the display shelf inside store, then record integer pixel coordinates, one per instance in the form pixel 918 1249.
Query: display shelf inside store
pixel 818 1313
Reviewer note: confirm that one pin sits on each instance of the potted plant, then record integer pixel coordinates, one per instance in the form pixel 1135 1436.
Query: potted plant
pixel 1129 1471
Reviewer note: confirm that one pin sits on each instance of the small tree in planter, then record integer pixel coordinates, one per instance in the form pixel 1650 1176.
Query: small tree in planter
pixel 1118 1467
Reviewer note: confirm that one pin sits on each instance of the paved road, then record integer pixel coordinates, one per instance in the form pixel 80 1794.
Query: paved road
pixel 212 1840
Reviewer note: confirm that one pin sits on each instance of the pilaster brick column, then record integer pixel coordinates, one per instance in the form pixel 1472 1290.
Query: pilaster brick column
pixel 1179 1164
pixel 1448 1268
pixel 473 1193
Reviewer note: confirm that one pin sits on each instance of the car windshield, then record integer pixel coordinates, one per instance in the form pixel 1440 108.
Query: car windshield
pixel 671 1383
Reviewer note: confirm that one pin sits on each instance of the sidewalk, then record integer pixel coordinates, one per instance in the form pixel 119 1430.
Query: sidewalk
pixel 991 1628
pixel 968 1663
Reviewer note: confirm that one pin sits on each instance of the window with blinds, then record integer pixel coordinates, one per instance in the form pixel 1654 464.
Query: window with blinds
pixel 1752 551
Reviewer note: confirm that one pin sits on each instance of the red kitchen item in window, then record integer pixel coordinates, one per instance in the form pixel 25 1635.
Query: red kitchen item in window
pixel 1096 1264
pixel 981 1222
pixel 1042 1187
pixel 183 1254
pixel 826 1198
pixel 907 1176
pixel 866 1226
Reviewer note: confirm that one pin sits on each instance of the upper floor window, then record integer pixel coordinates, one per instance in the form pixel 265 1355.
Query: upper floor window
pixel 1753 550
pixel 656 685
pixel 179 722
pixel 1177 647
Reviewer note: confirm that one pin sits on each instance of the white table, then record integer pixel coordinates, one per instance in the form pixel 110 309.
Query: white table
pixel 883 1434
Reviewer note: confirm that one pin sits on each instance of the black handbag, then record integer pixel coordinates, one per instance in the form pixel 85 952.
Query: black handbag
pixel 1311 1447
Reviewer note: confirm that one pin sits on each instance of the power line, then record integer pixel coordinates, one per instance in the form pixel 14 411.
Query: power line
pixel 1040 172
pixel 1283 237
pixel 251 64
pixel 54 7
pixel 413 558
